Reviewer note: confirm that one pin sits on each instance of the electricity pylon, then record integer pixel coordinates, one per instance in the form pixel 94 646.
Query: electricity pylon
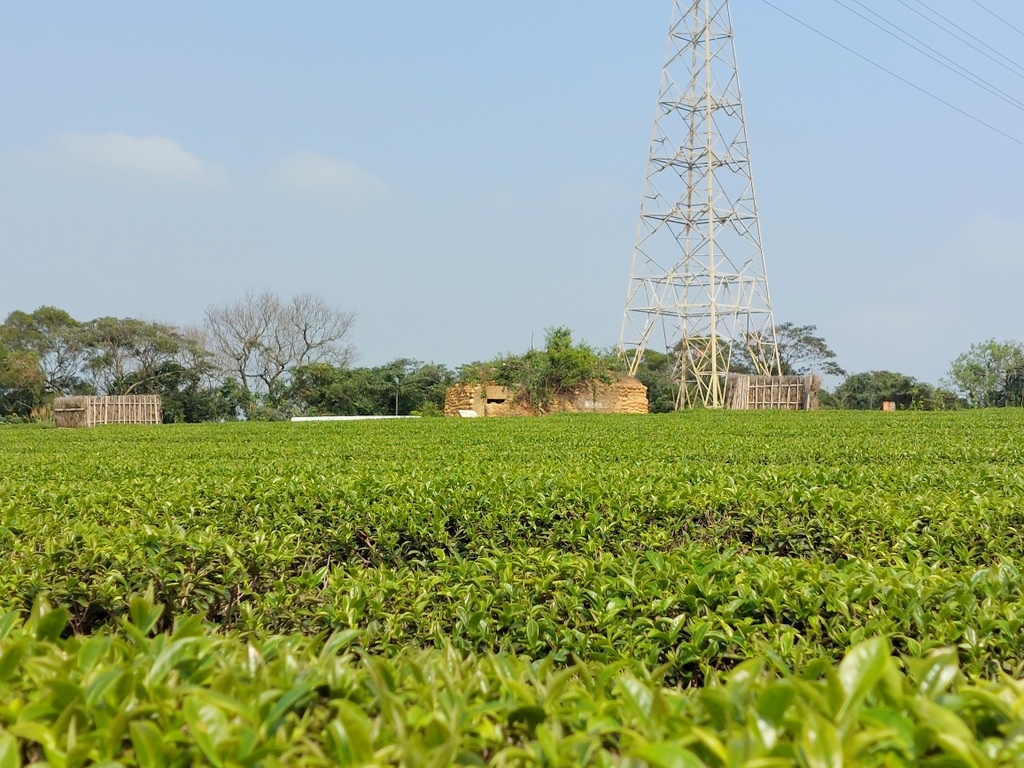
pixel 698 277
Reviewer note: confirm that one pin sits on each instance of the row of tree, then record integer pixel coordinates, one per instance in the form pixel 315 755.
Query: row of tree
pixel 258 357
pixel 990 373
pixel 263 357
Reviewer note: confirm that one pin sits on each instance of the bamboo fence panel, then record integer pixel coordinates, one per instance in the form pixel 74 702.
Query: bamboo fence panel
pixel 772 393
pixel 91 410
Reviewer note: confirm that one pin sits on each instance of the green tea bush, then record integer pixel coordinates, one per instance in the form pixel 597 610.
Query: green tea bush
pixel 188 696
pixel 666 549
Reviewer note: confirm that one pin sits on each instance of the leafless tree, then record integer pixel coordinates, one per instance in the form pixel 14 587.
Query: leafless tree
pixel 260 339
pixel 195 353
pixel 236 332
pixel 319 331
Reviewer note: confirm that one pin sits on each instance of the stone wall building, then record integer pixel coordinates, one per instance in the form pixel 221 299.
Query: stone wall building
pixel 625 395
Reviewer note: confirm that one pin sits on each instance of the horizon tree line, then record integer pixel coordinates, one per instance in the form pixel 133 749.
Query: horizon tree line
pixel 262 356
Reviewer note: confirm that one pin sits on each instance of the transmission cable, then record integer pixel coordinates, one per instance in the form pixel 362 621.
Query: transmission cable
pixel 996 15
pixel 952 66
pixel 902 79
pixel 957 26
pixel 1013 67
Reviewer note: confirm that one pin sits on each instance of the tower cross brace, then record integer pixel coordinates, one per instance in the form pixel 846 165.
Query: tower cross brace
pixel 698 278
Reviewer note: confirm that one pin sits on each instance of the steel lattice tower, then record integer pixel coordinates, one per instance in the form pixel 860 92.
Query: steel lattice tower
pixel 698 276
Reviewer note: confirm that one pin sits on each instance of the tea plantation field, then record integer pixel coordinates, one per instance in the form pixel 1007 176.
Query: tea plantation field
pixel 702 588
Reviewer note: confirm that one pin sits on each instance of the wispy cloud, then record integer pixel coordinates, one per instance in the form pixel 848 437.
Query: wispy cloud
pixel 317 173
pixel 153 156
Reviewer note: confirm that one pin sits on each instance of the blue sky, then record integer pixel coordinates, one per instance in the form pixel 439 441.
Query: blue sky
pixel 463 174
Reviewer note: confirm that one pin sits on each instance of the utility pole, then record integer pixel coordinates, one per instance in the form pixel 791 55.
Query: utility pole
pixel 698 281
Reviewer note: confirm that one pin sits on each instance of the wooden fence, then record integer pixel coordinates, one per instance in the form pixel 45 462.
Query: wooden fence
pixel 772 393
pixel 89 410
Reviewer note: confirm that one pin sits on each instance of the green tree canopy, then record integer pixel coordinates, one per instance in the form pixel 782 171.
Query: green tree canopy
pixel 802 351
pixel 541 374
pixel 867 391
pixel 127 356
pixel 322 389
pixel 22 385
pixel 990 373
pixel 657 372
pixel 56 342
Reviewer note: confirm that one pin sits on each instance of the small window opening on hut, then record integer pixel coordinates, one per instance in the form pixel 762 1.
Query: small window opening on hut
pixel 495 395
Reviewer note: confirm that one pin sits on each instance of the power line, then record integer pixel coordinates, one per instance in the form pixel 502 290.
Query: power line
pixel 1013 67
pixel 996 15
pixel 957 26
pixel 902 79
pixel 952 66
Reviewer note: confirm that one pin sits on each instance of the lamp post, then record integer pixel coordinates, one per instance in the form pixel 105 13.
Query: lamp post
pixel 396 395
